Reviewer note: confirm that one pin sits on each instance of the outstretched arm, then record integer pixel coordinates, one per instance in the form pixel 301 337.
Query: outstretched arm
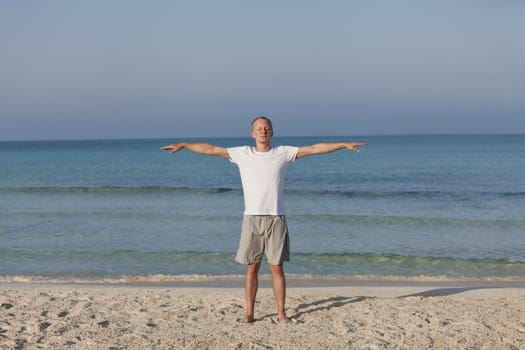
pixel 327 147
pixel 201 148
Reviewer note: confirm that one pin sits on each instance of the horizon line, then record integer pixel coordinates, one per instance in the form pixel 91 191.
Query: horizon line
pixel 275 137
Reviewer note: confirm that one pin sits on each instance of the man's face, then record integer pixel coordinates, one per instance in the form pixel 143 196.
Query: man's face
pixel 262 131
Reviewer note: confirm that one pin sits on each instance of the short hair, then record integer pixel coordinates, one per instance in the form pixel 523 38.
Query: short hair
pixel 262 117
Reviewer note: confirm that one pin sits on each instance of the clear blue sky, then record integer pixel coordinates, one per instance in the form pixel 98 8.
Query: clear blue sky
pixel 126 69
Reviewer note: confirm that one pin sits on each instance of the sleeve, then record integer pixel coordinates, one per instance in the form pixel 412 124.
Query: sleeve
pixel 291 153
pixel 235 154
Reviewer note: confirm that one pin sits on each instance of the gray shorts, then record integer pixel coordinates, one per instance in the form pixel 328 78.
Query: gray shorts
pixel 263 233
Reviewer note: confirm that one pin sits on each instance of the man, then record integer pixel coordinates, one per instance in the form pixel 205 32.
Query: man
pixel 264 228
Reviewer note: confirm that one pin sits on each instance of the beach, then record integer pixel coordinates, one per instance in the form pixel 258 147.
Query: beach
pixel 359 315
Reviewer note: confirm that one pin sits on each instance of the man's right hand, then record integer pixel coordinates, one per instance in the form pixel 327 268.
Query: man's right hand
pixel 173 148
pixel 201 148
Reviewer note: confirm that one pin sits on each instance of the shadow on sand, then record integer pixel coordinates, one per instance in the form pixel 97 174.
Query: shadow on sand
pixel 441 292
pixel 339 301
pixel 326 304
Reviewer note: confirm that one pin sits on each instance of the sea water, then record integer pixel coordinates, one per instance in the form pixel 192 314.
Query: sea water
pixel 404 206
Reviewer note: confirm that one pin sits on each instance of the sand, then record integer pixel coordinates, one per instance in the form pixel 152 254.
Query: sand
pixel 73 316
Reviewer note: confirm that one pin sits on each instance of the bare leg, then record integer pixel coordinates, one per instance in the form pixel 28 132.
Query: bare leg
pixel 251 286
pixel 279 291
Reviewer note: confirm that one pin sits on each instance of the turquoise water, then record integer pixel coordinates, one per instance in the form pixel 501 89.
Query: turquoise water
pixel 405 206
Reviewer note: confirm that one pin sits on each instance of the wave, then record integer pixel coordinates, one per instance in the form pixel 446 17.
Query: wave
pixel 406 220
pixel 394 264
pixel 315 218
pixel 114 189
pixel 109 264
pixel 113 254
pixel 213 190
pixel 237 281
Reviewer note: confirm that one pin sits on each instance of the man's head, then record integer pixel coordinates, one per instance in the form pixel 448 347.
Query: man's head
pixel 262 128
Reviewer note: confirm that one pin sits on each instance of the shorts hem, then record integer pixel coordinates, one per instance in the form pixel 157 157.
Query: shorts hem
pixel 248 262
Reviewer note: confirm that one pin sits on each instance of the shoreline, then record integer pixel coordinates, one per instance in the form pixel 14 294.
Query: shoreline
pixel 369 287
pixel 370 290
pixel 293 280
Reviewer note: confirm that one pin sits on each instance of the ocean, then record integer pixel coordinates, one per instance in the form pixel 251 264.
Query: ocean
pixel 407 206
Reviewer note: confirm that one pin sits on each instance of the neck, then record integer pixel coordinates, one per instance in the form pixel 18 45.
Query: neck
pixel 262 147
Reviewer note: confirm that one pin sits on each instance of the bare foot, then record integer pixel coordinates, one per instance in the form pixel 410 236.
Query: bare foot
pixel 285 320
pixel 247 319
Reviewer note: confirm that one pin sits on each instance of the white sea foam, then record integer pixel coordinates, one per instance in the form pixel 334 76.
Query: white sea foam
pixel 224 279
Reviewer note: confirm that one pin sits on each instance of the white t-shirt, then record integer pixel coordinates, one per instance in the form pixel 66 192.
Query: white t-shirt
pixel 262 176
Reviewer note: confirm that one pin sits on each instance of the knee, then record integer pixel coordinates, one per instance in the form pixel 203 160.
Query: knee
pixel 277 269
pixel 253 268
